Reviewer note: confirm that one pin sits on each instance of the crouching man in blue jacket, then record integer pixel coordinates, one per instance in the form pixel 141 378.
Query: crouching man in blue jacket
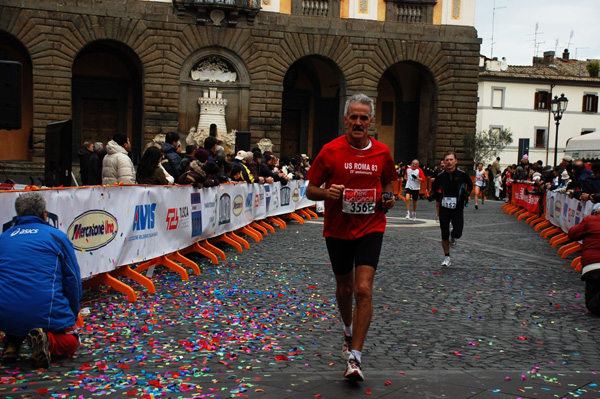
pixel 40 286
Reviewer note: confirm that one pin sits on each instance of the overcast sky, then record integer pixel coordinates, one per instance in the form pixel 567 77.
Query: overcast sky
pixel 515 27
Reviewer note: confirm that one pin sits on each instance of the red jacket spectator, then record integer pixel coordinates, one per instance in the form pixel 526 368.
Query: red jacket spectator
pixel 588 230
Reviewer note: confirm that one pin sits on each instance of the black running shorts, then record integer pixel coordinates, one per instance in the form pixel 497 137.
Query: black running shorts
pixel 414 194
pixel 347 254
pixel 451 216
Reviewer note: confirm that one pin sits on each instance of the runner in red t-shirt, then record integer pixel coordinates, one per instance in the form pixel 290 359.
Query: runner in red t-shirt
pixel 355 171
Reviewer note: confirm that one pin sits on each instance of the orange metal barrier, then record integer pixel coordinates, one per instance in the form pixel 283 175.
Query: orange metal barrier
pixel 539 222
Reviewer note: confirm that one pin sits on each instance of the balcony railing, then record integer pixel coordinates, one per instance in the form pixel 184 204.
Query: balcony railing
pixel 217 12
pixel 410 11
pixel 315 7
pixel 227 12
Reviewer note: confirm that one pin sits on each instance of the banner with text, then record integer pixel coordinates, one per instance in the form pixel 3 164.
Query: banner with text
pixel 565 212
pixel 118 225
pixel 525 200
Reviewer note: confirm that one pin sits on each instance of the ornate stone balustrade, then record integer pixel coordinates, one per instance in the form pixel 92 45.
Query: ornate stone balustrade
pixel 315 7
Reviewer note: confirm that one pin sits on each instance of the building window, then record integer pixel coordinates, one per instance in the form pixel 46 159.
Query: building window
pixel 497 97
pixel 542 99
pixel 540 138
pixel 590 103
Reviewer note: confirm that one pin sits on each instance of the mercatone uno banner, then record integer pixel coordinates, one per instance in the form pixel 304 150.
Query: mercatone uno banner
pixel 565 212
pixel 114 226
pixel 525 200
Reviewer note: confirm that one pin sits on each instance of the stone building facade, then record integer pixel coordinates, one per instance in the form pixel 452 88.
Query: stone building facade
pixel 127 66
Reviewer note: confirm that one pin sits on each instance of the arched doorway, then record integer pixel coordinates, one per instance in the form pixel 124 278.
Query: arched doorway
pixel 107 95
pixel 406 117
pixel 17 145
pixel 311 111
pixel 214 97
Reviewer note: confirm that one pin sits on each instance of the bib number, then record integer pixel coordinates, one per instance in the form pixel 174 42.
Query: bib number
pixel 449 202
pixel 359 201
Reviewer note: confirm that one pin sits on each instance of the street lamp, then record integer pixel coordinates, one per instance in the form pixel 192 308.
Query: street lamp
pixel 558 106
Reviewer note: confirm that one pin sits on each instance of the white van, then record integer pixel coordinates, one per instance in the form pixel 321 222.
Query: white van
pixel 585 147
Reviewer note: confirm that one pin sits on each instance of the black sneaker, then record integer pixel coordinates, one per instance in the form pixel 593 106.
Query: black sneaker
pixel 11 353
pixel 40 348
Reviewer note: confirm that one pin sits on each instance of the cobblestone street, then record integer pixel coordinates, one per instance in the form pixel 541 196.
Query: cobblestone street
pixel 506 320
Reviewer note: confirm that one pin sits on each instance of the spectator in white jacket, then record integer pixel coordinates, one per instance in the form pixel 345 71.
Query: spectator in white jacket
pixel 117 166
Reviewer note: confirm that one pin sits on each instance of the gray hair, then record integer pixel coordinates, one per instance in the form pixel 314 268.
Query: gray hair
pixel 30 204
pixel 152 144
pixel 360 98
pixel 98 145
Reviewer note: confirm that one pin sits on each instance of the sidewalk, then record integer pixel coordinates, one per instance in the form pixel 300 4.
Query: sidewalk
pixel 506 320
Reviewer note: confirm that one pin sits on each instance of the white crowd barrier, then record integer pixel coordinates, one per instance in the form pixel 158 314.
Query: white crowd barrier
pixel 112 226
pixel 565 212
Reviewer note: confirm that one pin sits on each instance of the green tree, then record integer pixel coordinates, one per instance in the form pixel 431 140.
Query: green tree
pixel 485 145
pixel 593 67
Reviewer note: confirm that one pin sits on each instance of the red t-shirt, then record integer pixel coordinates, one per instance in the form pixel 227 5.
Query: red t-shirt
pixel 361 170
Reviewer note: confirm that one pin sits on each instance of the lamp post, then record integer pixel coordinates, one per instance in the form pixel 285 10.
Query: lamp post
pixel 558 107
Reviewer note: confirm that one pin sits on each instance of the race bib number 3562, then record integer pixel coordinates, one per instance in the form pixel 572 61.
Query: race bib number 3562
pixel 359 201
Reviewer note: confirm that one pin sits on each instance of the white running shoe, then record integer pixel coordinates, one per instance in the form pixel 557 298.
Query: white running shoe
pixel 414 216
pixel 347 347
pixel 353 371
pixel 407 215
pixel 446 261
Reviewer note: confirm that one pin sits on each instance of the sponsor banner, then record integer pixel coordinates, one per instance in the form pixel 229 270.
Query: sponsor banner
pixel 524 199
pixel 565 212
pixel 119 225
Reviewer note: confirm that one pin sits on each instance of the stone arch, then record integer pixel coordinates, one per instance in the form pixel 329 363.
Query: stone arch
pixel 106 101
pixel 236 93
pixel 314 89
pixel 17 144
pixel 406 116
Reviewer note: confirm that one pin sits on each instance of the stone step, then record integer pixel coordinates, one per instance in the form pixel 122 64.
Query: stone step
pixel 21 171
pixel 22 167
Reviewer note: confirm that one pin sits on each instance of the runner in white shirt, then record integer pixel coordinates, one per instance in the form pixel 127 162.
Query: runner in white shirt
pixel 414 177
pixel 480 181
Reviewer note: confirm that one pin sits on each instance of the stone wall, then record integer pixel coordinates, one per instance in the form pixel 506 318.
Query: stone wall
pixel 54 32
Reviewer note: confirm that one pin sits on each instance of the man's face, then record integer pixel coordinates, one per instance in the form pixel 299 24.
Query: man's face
pixel 449 162
pixel 127 145
pixel 415 164
pixel 358 120
pixel 90 147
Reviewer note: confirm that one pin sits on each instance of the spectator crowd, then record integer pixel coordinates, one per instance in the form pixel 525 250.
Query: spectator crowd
pixel 166 162
pixel 576 178
pixel 207 165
